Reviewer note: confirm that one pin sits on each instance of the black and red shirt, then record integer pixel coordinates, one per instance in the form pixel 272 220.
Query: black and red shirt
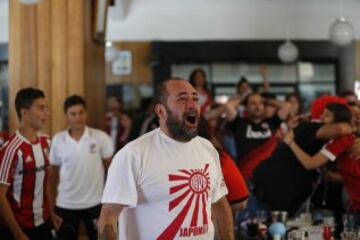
pixel 23 167
pixel 252 140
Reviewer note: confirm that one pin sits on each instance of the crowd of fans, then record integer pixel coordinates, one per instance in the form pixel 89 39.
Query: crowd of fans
pixel 274 154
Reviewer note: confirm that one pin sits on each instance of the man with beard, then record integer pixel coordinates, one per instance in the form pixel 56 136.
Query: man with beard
pixel 167 184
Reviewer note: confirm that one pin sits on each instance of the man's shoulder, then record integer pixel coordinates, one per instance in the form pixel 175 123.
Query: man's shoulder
pixel 97 133
pixel 13 141
pixel 137 148
pixel 205 144
pixel 142 141
pixel 43 136
pixel 59 135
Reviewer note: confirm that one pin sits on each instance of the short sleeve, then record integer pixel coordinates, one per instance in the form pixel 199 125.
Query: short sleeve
pixel 219 190
pixel 54 159
pixel 121 182
pixel 336 147
pixel 234 180
pixel 8 160
pixel 107 146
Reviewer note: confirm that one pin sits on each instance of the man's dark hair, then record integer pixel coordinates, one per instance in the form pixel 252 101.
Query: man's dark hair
pixel 241 81
pixel 298 98
pixel 161 93
pixel 25 98
pixel 347 93
pixel 73 100
pixel 341 112
pixel 246 100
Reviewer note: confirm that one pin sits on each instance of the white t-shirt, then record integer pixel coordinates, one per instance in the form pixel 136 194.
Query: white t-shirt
pixel 82 171
pixel 168 186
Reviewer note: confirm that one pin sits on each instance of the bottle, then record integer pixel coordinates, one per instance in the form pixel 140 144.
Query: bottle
pixel 327 233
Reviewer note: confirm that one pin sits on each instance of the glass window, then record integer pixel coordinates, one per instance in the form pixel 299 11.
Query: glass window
pixel 310 80
pixel 4 98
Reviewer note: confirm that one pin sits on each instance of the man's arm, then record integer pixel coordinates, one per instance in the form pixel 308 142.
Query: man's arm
pixel 223 220
pixel 52 185
pixel 214 113
pixel 309 162
pixel 239 206
pixel 7 215
pixel 108 221
pixel 107 162
pixel 335 130
pixel 283 107
pixel 230 108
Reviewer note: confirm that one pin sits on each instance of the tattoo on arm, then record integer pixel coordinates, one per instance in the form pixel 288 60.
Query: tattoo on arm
pixel 109 233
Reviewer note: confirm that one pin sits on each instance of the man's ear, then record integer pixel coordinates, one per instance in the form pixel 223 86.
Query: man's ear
pixel 160 111
pixel 23 112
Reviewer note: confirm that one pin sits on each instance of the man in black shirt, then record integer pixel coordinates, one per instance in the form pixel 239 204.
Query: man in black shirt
pixel 254 133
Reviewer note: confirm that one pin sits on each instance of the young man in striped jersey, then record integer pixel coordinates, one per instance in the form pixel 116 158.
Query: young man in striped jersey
pixel 23 172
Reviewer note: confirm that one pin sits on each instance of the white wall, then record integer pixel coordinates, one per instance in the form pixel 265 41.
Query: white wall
pixel 219 19
pixel 228 19
pixel 4 21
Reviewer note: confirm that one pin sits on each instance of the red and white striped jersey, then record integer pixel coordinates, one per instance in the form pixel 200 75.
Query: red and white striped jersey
pixel 23 167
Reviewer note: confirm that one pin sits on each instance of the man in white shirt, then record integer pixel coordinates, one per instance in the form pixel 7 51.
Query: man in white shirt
pixel 167 184
pixel 78 159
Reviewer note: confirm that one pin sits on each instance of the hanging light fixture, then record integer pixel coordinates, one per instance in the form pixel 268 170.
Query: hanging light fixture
pixel 287 51
pixel 341 31
pixel 110 52
pixel 29 1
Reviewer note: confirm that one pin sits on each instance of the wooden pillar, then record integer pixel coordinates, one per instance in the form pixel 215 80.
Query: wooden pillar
pixel 51 48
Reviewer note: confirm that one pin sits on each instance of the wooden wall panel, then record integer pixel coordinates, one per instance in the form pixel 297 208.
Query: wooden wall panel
pixel 22 62
pixel 28 19
pixel 44 53
pixel 14 59
pixel 51 48
pixel 59 59
pixel 141 69
pixel 76 61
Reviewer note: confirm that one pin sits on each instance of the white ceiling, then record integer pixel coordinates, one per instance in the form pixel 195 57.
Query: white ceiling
pixel 226 19
pixel 137 20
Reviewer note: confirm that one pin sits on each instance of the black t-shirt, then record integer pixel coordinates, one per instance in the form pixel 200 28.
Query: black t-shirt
pixel 249 135
pixel 281 180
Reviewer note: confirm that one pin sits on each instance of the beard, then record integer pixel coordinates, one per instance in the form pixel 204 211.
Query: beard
pixel 178 129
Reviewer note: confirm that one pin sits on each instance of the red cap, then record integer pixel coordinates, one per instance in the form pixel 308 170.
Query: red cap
pixel 318 105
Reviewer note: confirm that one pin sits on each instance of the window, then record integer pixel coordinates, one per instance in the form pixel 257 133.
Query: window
pixel 308 79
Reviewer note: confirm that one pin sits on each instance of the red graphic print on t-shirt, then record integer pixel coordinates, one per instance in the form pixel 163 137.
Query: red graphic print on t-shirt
pixel 192 188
